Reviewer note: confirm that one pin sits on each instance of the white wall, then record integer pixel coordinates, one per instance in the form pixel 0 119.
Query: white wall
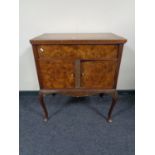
pixel 78 16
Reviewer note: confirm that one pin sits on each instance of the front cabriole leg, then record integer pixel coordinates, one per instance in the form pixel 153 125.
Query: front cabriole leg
pixel 114 100
pixel 41 99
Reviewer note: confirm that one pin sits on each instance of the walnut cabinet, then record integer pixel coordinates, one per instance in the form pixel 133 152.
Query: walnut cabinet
pixel 78 65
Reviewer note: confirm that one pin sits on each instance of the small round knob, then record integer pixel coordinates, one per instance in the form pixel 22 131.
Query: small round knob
pixel 83 74
pixel 72 75
pixel 41 49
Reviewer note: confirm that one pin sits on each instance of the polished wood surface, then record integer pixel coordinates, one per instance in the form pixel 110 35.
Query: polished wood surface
pixel 57 74
pixel 78 51
pixel 98 74
pixel 78 64
pixel 78 38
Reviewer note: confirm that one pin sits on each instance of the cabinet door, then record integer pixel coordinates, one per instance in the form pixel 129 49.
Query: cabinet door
pixel 56 74
pixel 98 74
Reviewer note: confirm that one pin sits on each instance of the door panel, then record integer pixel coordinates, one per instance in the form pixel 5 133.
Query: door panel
pixel 57 74
pixel 98 74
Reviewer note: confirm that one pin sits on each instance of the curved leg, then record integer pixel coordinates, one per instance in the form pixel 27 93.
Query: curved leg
pixel 114 100
pixel 41 99
pixel 101 94
pixel 54 94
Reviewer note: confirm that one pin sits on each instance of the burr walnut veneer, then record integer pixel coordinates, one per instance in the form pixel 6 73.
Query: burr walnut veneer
pixel 78 64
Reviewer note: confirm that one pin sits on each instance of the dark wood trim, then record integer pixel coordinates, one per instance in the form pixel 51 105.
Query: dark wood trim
pixel 36 56
pixel 120 50
pixel 77 73
pixel 67 90
pixel 76 42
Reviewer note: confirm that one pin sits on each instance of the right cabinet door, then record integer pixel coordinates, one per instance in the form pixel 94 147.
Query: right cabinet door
pixel 98 74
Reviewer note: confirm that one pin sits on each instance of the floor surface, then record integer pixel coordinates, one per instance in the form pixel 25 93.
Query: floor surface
pixel 77 126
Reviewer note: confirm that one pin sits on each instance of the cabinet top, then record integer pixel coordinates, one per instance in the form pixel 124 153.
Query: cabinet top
pixel 78 38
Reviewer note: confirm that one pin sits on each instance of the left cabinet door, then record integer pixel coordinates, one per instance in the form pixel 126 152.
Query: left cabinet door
pixel 56 73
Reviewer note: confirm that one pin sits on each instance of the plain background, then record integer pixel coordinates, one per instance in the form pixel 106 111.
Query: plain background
pixel 75 16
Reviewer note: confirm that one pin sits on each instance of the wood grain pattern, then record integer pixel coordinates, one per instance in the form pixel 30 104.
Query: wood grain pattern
pixel 57 74
pixel 78 51
pixel 103 72
pixel 98 74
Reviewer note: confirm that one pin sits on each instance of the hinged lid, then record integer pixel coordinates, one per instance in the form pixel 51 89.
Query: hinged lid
pixel 78 38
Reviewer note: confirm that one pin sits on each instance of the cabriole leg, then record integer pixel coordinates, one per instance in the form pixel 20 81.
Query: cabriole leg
pixel 41 99
pixel 114 100
pixel 101 94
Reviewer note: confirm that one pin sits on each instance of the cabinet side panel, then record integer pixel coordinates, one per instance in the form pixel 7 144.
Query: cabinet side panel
pixel 36 56
pixel 120 50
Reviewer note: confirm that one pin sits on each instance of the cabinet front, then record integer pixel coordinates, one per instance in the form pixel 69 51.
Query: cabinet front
pixel 56 74
pixel 57 65
pixel 98 74
pixel 78 51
